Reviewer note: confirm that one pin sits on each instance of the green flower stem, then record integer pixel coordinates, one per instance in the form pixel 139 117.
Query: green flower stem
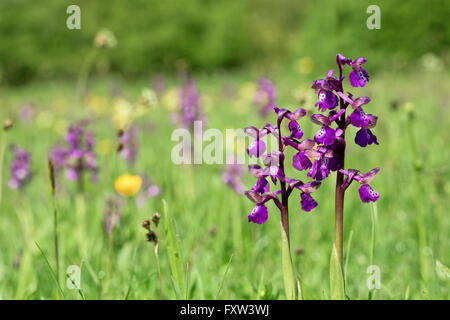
pixel 372 241
pixel 421 228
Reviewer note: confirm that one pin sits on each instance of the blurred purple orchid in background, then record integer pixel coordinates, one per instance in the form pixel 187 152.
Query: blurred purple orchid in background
pixel 20 168
pixel 78 157
pixel 265 96
pixel 189 98
pixel 232 176
pixel 27 112
pixel 148 190
pixel 112 213
pixel 128 144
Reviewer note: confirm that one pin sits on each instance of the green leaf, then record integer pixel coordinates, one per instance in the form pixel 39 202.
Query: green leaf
pixel 173 250
pixel 336 277
pixel 177 290
pixel 290 283
pixel 442 271
pixel 224 275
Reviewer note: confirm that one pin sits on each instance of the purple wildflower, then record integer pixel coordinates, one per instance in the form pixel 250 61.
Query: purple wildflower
pixel 366 192
pixel 112 213
pixel 128 145
pixel 359 76
pixel 265 96
pixel 259 214
pixel 232 176
pixel 149 190
pixel 20 168
pixel 307 202
pixel 27 112
pixel 274 166
pixel 78 157
pixel 189 104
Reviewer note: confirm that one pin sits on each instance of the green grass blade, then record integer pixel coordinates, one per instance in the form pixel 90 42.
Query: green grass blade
pixel 224 275
pixel 336 277
pixel 177 289
pixel 52 272
pixel 347 254
pixel 173 250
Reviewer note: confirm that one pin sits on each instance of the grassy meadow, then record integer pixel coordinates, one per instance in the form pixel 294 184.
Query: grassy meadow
pixel 224 256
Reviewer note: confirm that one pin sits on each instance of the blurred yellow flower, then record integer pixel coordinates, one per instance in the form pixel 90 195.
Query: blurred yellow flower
pixel 247 90
pixel 409 107
pixel 97 104
pixel 45 119
pixel 170 100
pixel 127 184
pixel 122 113
pixel 148 100
pixel 305 65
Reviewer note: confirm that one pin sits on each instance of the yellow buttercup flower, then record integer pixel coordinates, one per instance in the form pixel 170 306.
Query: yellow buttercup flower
pixel 128 185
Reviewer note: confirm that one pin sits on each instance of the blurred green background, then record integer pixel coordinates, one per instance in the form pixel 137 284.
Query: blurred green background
pixel 157 35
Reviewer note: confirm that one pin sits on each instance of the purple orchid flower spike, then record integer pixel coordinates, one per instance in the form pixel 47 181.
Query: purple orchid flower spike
pixel 128 145
pixel 190 106
pixel 79 157
pixel 265 96
pixel 328 153
pixel 112 213
pixel 274 167
pixel 20 168
pixel 232 176
pixel 320 156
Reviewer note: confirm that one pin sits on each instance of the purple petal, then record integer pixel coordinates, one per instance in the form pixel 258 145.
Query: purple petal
pixel 367 194
pixel 301 162
pixel 256 148
pixel 259 214
pixel 307 202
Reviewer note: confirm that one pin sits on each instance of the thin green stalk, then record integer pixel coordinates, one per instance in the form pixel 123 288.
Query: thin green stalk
pixel 55 236
pixel 111 235
pixel 55 215
pixel 156 247
pixel 84 73
pixel 421 228
pixel 372 242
